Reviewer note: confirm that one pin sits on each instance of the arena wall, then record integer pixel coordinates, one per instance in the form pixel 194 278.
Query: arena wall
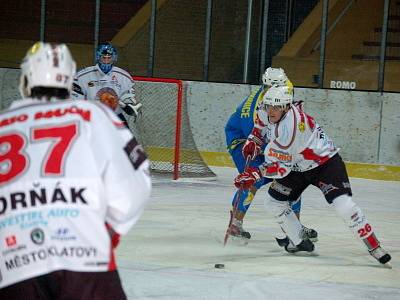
pixel 365 125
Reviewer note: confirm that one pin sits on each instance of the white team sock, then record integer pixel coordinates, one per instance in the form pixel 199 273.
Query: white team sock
pixel 356 220
pixel 285 217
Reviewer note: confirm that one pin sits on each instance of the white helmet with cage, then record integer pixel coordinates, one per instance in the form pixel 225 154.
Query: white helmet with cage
pixel 274 76
pixel 47 66
pixel 278 96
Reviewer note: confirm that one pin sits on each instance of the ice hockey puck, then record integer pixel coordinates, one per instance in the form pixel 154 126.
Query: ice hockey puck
pixel 219 266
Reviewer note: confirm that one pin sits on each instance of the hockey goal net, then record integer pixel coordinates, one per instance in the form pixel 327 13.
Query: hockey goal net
pixel 164 129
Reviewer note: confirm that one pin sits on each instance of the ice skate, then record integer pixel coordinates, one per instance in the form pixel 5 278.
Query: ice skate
pixel 309 233
pixel 282 242
pixel 305 245
pixel 306 233
pixel 382 256
pixel 236 230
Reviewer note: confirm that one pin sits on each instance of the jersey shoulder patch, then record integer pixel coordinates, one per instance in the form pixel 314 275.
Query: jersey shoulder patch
pixel 122 72
pixel 85 71
pixel 135 152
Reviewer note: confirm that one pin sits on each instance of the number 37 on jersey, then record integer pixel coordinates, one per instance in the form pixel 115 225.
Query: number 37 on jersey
pixel 15 160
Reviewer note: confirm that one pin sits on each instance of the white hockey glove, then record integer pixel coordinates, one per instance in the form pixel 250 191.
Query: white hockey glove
pixel 130 106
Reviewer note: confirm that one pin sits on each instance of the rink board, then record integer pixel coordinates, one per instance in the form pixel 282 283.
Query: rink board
pixel 357 170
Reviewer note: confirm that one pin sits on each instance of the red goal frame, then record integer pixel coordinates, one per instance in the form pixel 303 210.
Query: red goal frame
pixel 178 121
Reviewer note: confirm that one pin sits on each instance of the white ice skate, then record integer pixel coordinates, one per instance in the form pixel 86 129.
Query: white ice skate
pixel 309 233
pixel 306 233
pixel 381 256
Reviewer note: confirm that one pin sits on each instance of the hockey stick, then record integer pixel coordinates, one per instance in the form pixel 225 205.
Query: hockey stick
pixel 235 204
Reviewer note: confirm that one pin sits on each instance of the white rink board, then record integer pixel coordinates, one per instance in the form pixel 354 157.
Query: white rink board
pixel 352 118
pixel 390 139
pixel 171 252
pixel 9 81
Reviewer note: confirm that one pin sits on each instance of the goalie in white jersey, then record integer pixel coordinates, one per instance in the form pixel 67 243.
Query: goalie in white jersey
pixel 107 83
pixel 299 154
pixel 72 179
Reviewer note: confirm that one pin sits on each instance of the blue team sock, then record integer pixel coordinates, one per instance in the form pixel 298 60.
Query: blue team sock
pixel 296 205
pixel 246 197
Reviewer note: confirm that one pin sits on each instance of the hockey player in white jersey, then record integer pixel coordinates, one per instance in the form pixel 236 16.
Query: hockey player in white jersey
pixel 107 83
pixel 298 154
pixel 72 179
pixel 237 129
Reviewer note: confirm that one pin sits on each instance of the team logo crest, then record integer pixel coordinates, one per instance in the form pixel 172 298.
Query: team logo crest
pixel 108 97
pixel 280 155
pixel 302 127
pixel 326 188
pixel 64 234
pixel 37 236
pixel 11 240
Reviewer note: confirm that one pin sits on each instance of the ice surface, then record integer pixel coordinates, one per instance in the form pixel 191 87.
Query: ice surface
pixel 171 252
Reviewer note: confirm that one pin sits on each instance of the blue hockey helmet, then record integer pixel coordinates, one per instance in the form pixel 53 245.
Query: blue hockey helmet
pixel 106 56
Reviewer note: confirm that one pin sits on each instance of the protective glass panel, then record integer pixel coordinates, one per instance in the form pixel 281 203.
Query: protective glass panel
pixel 179 39
pixel 392 63
pixel 228 38
pixel 293 31
pixel 70 21
pixel 353 45
pixel 19 28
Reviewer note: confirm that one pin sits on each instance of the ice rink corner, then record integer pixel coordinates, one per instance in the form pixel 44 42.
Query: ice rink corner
pixel 172 251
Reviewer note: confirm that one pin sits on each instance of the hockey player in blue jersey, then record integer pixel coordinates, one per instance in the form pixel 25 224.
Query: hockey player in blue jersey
pixel 237 129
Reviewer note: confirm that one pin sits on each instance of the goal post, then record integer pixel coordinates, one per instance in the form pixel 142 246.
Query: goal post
pixel 163 128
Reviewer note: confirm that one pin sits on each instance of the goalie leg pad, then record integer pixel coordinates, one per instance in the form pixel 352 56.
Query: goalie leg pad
pixel 352 215
pixel 285 217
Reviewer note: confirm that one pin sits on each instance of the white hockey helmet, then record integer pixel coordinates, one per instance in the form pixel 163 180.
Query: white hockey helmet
pixel 48 66
pixel 274 76
pixel 278 96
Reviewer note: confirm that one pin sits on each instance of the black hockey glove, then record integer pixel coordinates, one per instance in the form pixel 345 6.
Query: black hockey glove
pixel 131 109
